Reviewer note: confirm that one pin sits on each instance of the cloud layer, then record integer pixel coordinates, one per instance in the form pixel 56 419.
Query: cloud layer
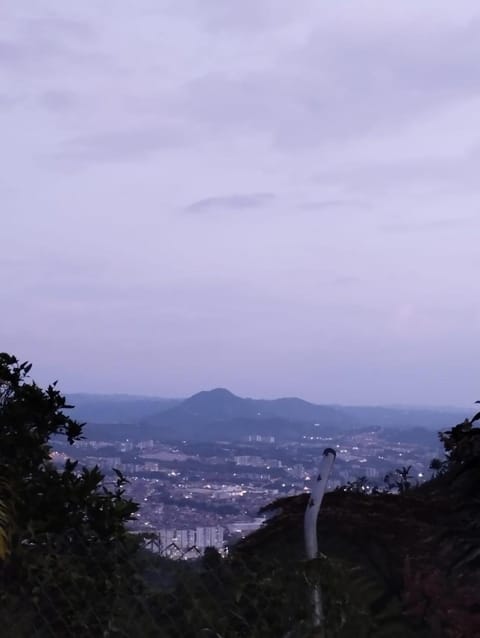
pixel 276 197
pixel 230 202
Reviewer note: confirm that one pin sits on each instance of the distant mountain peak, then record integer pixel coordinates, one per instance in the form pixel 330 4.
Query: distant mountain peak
pixel 211 399
pixel 216 396
pixel 216 392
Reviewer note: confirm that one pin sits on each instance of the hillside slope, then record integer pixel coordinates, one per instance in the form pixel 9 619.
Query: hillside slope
pixel 414 556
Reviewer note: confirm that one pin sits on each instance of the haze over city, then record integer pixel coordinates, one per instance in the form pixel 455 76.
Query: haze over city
pixel 278 198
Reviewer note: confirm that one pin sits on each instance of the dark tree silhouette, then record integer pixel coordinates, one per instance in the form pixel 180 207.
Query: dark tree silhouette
pixel 63 534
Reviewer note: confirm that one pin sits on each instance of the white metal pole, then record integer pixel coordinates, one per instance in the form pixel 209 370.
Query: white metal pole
pixel 310 526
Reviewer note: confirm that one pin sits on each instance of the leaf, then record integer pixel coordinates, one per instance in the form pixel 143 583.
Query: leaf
pixel 476 417
pixel 118 473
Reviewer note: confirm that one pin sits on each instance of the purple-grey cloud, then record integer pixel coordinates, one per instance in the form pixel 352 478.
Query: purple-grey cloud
pixel 8 101
pixel 123 145
pixel 8 51
pixel 245 18
pixel 57 26
pixel 230 202
pixel 442 224
pixel 386 174
pixel 42 45
pixel 347 280
pixel 332 204
pixel 58 101
pixel 361 118
pixel 341 84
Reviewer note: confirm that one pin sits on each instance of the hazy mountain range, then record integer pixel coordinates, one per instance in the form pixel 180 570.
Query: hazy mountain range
pixel 219 414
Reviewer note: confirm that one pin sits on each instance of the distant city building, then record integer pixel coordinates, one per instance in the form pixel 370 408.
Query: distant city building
pixel 259 438
pixel 126 446
pixel 298 471
pixel 150 466
pixel 146 445
pixel 171 541
pixel 273 463
pixel 256 461
pixel 209 537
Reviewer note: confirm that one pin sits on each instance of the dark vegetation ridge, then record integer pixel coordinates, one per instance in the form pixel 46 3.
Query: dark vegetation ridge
pixel 415 556
pixel 391 565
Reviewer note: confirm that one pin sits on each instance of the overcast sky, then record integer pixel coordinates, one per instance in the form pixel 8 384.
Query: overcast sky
pixel 277 197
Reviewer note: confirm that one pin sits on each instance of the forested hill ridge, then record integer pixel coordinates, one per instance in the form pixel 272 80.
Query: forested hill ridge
pixel 116 408
pixel 218 413
pixel 405 564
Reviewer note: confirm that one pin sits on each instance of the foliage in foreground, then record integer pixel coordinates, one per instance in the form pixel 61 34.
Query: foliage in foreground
pixel 66 555
pixel 398 565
